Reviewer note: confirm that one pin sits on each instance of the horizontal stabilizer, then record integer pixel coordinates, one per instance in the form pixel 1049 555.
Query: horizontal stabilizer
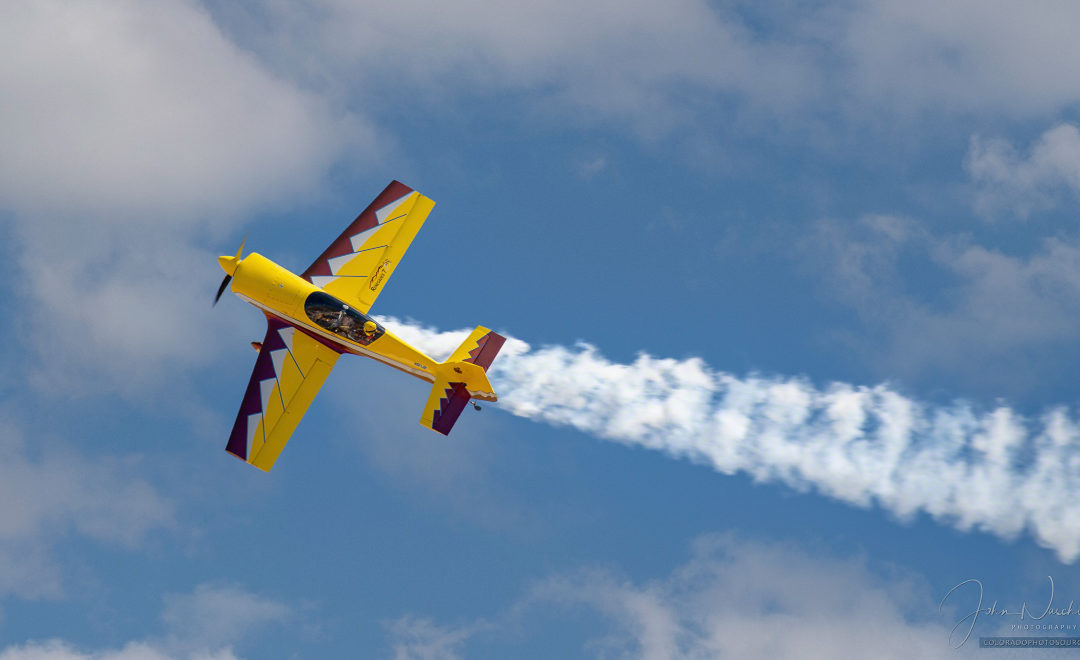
pixel 444 405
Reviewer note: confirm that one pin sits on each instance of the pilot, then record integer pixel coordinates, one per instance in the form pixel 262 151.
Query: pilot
pixel 338 320
pixel 369 330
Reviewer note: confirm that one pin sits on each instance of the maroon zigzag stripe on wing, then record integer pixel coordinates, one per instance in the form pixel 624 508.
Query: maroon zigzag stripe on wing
pixel 366 220
pixel 450 407
pixel 252 403
pixel 487 347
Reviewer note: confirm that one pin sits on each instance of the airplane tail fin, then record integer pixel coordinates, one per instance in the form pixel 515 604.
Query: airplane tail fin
pixel 461 377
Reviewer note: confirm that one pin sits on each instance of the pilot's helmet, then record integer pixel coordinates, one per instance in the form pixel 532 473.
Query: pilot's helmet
pixel 369 327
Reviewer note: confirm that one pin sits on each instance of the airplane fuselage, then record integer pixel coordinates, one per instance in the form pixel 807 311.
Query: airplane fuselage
pixel 282 294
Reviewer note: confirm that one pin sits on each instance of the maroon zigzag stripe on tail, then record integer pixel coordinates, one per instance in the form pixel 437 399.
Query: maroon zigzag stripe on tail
pixel 487 347
pixel 450 407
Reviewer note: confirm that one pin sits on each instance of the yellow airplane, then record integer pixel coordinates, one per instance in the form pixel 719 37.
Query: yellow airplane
pixel 314 317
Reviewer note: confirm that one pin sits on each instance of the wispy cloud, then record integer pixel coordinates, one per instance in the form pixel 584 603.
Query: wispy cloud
pixel 588 168
pixel 732 598
pixel 56 491
pixel 422 639
pixel 689 62
pixel 59 650
pixel 202 625
pixel 998 320
pixel 991 470
pixel 218 615
pixel 1007 179
pixel 642 65
pixel 961 57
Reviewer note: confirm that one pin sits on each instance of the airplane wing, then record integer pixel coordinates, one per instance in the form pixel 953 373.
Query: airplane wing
pixel 357 265
pixel 288 373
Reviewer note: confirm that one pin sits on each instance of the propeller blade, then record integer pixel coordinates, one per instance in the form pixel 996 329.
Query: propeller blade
pixel 221 289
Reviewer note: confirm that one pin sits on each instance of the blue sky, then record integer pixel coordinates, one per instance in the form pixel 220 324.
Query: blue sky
pixel 795 294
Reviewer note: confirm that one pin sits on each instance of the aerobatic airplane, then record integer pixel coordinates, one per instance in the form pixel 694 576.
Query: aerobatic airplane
pixel 312 318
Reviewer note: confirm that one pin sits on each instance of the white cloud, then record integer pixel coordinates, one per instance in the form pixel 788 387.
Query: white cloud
pixel 201 626
pixel 219 615
pixel 1005 179
pixel 656 67
pixel 146 114
pixel 116 319
pixel 751 600
pixel 861 445
pixel 732 599
pixel 996 58
pixel 421 639
pixel 635 62
pixel 133 136
pixel 59 650
pixel 589 168
pixel 995 320
pixel 55 491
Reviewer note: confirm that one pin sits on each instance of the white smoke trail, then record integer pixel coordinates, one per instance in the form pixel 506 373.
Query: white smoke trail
pixel 994 471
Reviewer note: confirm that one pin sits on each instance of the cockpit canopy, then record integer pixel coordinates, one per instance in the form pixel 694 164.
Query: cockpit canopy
pixel 334 315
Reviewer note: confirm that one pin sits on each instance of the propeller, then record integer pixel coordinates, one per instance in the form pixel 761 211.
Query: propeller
pixel 221 289
pixel 229 264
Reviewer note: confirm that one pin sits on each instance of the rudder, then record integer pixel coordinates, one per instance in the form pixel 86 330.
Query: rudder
pixel 479 348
